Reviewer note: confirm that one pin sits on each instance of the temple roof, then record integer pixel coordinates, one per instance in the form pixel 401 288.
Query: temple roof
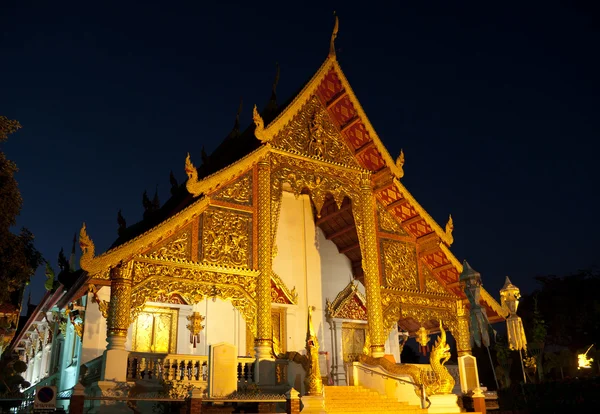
pixel 238 151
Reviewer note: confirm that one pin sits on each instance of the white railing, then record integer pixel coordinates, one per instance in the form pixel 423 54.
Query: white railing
pixel 191 369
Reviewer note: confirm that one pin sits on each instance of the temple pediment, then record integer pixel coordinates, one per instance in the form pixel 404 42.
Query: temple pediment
pixel 350 303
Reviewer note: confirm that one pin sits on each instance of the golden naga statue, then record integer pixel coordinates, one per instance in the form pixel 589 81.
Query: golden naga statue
pixel 443 382
pixel 310 361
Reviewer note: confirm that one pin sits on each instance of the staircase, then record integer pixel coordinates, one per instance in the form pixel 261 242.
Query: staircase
pixel 358 399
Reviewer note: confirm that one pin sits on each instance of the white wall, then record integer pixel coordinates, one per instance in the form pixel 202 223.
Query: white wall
pixel 312 264
pixel 94 332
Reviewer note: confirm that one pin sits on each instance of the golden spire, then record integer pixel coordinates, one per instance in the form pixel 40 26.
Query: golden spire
pixel 400 164
pixel 334 35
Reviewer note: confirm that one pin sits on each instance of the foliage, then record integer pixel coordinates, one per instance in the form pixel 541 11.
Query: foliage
pixel 570 307
pixel 11 380
pixel 18 257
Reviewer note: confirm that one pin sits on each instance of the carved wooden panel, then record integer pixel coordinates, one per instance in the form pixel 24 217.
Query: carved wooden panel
pixel 238 192
pixel 226 237
pixel 399 264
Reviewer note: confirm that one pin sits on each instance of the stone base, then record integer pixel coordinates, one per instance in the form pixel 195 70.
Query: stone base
pixel 443 403
pixel 313 404
pixel 109 389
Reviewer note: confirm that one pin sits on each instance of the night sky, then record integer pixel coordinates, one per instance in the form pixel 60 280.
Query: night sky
pixel 495 106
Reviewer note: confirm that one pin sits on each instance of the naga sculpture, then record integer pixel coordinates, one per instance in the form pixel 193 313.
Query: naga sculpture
pixel 442 382
pixel 310 361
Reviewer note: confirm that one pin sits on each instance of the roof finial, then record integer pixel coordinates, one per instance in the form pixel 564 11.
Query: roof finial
pixel 400 164
pixel 334 35
pixel 449 229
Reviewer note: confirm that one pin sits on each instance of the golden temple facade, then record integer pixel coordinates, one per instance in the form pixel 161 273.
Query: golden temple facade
pixel 226 241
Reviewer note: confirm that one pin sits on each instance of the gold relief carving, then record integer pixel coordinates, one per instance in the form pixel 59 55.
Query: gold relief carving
pixel 264 333
pixel 226 238
pixel 98 267
pixel 179 248
pixel 311 132
pixel 292 296
pixel 461 331
pixel 239 191
pixel 350 303
pixel 317 177
pixel 400 264
pixel 388 223
pixel 194 291
pixel 155 330
pixel 246 280
pixel 119 308
pixel 353 309
pixel 102 304
pixel 432 285
pixel 370 263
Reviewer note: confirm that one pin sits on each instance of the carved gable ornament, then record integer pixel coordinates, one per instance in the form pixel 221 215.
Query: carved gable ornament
pixel 176 247
pixel 238 192
pixel 311 132
pixel 348 304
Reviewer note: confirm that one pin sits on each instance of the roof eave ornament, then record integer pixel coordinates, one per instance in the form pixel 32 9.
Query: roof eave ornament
pixel 449 239
pixel 400 165
pixel 192 174
pixel 333 36
pixel 87 249
pixel 260 131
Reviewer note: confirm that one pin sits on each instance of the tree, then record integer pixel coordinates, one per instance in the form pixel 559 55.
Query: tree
pixel 18 257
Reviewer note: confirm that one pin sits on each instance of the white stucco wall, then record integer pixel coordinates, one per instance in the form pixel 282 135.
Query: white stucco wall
pixel 312 264
pixel 94 333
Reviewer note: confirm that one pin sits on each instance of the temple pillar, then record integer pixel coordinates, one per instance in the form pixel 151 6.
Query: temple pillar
pixel 370 263
pixel 462 333
pixel 263 340
pixel 114 366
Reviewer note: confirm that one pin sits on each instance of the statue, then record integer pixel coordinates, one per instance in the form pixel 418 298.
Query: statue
pixel 316 147
pixel 310 361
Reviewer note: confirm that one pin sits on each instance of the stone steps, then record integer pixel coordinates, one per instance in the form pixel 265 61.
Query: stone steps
pixel 357 399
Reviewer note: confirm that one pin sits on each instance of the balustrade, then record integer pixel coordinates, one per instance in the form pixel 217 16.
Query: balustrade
pixel 181 368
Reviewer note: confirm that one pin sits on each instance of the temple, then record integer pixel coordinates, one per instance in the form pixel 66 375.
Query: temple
pixel 297 244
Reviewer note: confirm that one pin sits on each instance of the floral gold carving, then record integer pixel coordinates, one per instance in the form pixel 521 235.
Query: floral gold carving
pixel 119 308
pixel 263 330
pixel 226 238
pixel 432 285
pixel 400 264
pixel 280 293
pixel 311 132
pixel 350 303
pixel 239 191
pixel 388 223
pixel 194 291
pixel 178 248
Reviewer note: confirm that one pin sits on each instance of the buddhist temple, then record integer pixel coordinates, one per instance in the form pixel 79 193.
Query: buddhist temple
pixel 296 244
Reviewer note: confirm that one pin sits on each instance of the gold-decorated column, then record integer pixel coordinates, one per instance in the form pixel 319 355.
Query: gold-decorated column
pixel 462 333
pixel 114 365
pixel 370 262
pixel 263 341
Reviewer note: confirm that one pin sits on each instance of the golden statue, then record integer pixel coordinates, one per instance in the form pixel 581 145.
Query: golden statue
pixel 442 382
pixel 310 361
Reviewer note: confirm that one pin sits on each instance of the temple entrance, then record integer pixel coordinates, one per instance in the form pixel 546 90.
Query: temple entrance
pixel 353 340
pixel 155 330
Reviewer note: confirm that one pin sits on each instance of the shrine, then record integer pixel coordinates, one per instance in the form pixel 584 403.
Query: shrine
pixel 297 244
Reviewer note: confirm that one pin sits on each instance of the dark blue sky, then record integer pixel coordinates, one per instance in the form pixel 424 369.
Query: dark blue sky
pixel 495 106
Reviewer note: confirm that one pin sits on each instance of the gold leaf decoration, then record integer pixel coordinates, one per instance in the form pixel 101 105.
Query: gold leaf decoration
pixel 399 265
pixel 312 133
pixel 240 191
pixel 388 223
pixel 226 238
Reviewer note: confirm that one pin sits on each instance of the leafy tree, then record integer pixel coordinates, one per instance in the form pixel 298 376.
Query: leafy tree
pixel 18 257
pixel 11 380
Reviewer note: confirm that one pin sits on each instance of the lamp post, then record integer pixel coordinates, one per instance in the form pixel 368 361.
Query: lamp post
pixel 509 297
